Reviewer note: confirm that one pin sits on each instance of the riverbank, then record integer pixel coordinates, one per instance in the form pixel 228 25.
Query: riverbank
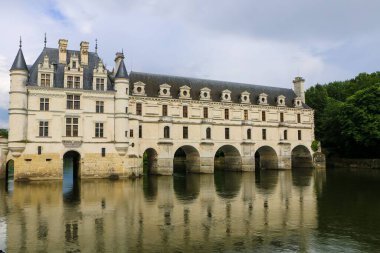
pixel 354 163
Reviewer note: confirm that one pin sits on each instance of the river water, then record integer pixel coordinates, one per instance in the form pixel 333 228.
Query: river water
pixel 267 211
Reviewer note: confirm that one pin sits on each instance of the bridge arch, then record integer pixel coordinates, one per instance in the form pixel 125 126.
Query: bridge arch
pixel 228 158
pixel 266 158
pixel 150 161
pixel 301 157
pixel 9 175
pixel 186 159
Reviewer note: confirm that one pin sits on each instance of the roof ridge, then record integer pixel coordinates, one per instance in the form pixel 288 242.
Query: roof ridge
pixel 208 80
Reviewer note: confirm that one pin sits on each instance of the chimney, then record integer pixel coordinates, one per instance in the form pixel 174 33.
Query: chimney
pixel 298 83
pixel 84 52
pixel 62 50
pixel 118 58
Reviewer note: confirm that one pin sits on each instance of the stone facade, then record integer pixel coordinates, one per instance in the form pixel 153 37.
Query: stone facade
pixel 67 101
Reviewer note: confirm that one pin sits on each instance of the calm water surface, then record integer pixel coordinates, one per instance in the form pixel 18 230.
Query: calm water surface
pixel 270 211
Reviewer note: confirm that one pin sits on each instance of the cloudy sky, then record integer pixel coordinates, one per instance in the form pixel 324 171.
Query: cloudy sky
pixel 262 42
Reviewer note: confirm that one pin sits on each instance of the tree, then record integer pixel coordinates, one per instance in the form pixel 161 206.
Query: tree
pixel 4 133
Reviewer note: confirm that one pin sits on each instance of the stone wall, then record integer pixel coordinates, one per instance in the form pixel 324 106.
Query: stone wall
pixel 3 156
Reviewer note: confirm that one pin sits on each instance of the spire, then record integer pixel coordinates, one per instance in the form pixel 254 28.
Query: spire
pixel 121 71
pixel 19 62
pixel 45 41
pixel 96 46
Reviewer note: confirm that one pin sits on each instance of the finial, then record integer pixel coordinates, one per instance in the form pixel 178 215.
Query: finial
pixel 45 40
pixel 96 45
pixel 20 43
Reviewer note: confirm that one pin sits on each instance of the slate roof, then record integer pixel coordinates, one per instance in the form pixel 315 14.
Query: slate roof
pixel 122 71
pixel 19 62
pixel 53 53
pixel 153 82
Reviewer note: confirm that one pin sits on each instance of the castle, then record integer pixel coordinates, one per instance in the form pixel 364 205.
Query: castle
pixel 68 105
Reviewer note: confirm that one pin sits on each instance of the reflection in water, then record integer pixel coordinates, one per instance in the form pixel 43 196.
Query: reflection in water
pixel 273 211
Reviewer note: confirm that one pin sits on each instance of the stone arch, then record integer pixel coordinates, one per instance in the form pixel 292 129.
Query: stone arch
pixel 301 157
pixel 266 158
pixel 9 175
pixel 228 158
pixel 71 161
pixel 150 161
pixel 186 159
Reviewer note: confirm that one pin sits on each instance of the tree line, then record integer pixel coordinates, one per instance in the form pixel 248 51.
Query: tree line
pixel 347 116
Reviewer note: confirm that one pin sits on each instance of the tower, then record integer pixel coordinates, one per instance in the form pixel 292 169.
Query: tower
pixel 121 104
pixel 298 83
pixel 18 105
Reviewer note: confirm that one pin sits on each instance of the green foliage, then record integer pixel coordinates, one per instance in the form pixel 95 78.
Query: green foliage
pixel 347 115
pixel 315 145
pixel 4 133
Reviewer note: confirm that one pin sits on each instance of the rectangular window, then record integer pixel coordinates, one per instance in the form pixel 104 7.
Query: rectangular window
pixel 72 127
pixel 74 64
pixel 140 131
pixel 299 135
pixel 126 109
pixel 245 114
pixel 281 117
pixel 126 91
pixel 126 133
pixel 77 82
pixel 285 134
pixel 298 118
pixel 39 150
pixel 131 133
pixel 138 109
pixel 103 152
pixel 44 104
pixel 226 114
pixel 164 110
pixel 99 106
pixel 45 80
pixel 263 118
pixel 227 133
pixel 70 82
pixel 44 129
pixel 99 83
pixel 184 111
pixel 99 130
pixel 264 133
pixel 205 112
pixel 185 132
pixel 73 102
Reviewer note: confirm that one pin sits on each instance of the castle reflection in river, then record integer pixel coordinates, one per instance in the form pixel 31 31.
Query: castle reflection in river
pixel 181 213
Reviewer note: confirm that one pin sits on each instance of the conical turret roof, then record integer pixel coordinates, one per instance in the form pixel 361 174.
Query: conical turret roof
pixel 19 62
pixel 122 71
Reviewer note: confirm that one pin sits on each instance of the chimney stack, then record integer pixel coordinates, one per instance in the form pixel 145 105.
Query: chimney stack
pixel 118 58
pixel 62 50
pixel 298 83
pixel 84 45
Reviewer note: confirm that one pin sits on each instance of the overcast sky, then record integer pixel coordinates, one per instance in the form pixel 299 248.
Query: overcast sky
pixel 261 42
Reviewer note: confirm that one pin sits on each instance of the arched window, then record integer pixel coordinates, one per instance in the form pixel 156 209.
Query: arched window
pixel 249 134
pixel 285 134
pixel 166 132
pixel 208 133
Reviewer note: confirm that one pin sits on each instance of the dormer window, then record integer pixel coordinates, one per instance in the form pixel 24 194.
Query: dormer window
pixel 184 92
pixel 74 64
pixel 244 98
pixel 45 80
pixel 100 84
pixel 281 100
pixel 73 82
pixel 263 99
pixel 205 94
pixel 164 90
pixel 226 96
pixel 298 102
pixel 139 89
pixel 45 73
